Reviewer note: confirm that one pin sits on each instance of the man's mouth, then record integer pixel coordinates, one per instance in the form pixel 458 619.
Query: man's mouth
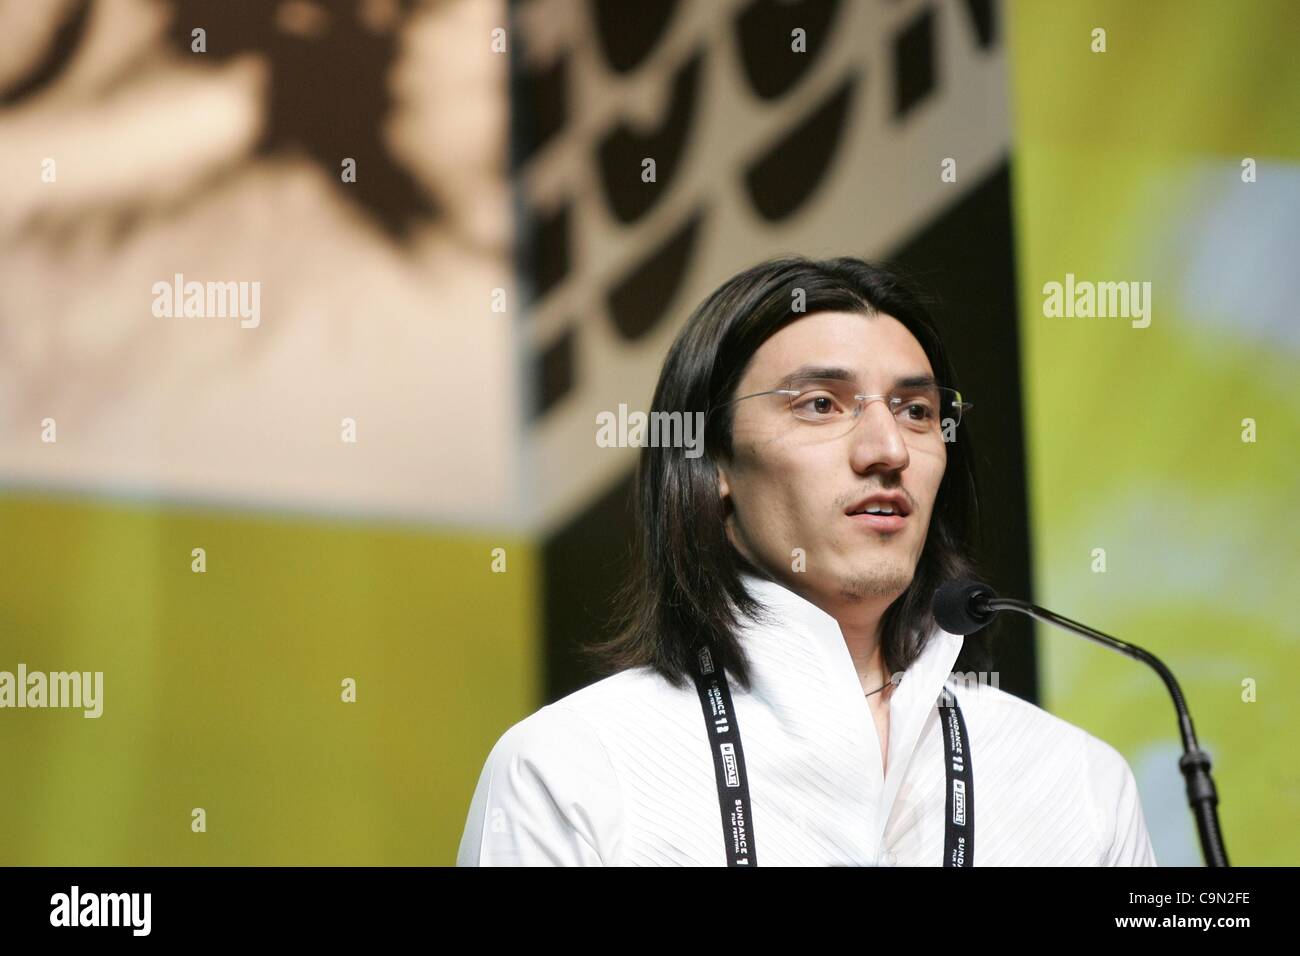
pixel 879 521
pixel 881 512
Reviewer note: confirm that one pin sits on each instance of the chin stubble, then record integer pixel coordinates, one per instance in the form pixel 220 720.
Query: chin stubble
pixel 886 582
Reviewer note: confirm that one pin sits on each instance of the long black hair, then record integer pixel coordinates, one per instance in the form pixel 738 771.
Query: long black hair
pixel 684 589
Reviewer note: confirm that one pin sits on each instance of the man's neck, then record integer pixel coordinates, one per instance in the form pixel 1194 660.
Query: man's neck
pixel 862 637
pixel 859 621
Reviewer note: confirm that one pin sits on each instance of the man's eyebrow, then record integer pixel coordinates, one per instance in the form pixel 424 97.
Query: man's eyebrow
pixel 840 374
pixel 804 372
pixel 915 381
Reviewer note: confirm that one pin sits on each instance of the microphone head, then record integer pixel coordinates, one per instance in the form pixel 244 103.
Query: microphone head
pixel 958 606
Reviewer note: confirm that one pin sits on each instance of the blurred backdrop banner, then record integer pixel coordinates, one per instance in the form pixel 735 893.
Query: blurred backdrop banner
pixel 309 311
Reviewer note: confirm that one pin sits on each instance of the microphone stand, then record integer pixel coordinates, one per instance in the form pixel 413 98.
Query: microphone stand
pixel 1195 762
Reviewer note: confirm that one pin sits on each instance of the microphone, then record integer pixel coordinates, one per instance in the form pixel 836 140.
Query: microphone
pixel 964 606
pixel 960 607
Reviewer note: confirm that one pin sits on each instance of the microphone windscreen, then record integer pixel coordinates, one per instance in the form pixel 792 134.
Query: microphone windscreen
pixel 954 606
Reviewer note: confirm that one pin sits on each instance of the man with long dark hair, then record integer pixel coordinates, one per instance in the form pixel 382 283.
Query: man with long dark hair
pixel 779 690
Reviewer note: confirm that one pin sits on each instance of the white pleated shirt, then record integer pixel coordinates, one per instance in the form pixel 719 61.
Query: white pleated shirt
pixel 620 773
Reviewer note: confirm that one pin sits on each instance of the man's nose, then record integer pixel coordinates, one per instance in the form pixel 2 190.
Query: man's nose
pixel 876 439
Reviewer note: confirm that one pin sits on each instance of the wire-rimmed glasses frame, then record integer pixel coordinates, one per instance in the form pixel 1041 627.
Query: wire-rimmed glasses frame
pixel 923 408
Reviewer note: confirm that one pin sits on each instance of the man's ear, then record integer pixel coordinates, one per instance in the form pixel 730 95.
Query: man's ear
pixel 724 489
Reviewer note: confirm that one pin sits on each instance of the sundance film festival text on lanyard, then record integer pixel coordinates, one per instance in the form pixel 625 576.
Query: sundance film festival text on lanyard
pixel 733 782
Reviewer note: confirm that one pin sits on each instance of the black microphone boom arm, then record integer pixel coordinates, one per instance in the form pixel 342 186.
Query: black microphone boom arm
pixel 982 603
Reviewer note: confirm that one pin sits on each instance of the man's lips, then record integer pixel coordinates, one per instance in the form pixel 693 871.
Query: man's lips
pixel 879 522
pixel 881 501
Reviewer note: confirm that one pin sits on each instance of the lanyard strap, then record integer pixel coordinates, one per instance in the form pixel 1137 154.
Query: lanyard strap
pixel 959 825
pixel 733 782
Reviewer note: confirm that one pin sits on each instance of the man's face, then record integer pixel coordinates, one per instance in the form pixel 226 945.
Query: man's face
pixel 792 484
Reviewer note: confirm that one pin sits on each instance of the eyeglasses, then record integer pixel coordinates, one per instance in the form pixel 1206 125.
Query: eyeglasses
pixel 832 406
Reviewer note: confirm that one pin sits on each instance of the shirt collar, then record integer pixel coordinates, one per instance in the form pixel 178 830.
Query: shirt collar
pixel 801 648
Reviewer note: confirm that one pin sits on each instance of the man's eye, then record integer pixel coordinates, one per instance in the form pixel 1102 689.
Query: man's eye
pixel 820 405
pixel 918 411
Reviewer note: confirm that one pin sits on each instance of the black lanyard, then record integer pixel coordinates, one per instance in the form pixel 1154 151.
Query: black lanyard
pixel 733 783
